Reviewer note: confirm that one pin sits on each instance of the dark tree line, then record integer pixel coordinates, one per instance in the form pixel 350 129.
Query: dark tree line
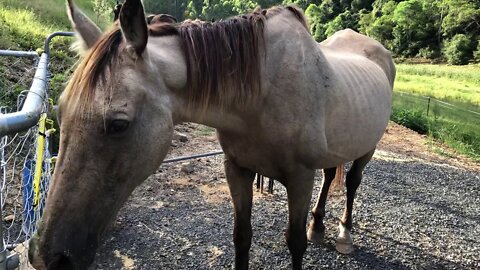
pixel 448 29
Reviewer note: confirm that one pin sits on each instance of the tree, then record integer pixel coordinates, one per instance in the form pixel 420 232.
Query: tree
pixel 194 9
pixel 358 5
pixel 320 15
pixel 463 16
pixel 176 8
pixel 103 9
pixel 379 23
pixel 459 50
pixel 303 4
pixel 413 31
pixel 342 21
pixel 476 53
pixel 218 9
pixel 268 3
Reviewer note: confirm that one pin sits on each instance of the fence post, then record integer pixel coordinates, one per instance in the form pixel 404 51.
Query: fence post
pixel 3 251
pixel 428 105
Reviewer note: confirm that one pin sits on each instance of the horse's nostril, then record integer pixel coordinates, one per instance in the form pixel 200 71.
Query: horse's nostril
pixel 61 262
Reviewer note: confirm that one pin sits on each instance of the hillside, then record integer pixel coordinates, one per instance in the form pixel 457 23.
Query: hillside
pixel 24 25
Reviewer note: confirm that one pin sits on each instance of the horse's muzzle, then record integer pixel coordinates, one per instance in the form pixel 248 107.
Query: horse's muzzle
pixel 33 254
pixel 57 259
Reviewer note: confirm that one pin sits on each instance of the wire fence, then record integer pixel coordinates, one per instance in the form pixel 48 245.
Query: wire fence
pixel 26 164
pixel 24 183
pixel 17 74
pixel 455 124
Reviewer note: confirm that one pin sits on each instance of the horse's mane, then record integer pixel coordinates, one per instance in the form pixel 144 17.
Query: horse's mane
pixel 223 58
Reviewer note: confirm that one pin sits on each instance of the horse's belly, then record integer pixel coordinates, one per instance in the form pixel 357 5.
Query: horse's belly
pixel 261 154
pixel 357 114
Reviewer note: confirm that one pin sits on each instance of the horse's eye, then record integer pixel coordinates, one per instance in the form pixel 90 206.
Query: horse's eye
pixel 117 126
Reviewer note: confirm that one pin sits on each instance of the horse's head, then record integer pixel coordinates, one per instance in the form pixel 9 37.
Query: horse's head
pixel 116 127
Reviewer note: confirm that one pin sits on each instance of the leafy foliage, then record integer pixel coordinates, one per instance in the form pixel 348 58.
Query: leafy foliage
pixel 412 119
pixel 408 28
pixel 459 50
pixel 476 54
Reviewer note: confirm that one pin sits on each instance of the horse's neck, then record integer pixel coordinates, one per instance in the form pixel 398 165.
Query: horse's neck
pixel 170 63
pixel 222 119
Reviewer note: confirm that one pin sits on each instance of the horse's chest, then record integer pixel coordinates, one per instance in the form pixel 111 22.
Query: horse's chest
pixel 258 155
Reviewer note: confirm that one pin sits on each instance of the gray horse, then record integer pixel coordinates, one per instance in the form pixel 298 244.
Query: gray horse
pixel 282 104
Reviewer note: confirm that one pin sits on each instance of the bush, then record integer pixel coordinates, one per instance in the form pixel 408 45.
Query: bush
pixel 458 50
pixel 476 54
pixel 429 53
pixel 412 119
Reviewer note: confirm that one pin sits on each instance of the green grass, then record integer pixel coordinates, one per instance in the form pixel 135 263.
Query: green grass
pixel 18 31
pixel 53 12
pixel 454 84
pixel 24 25
pixel 456 127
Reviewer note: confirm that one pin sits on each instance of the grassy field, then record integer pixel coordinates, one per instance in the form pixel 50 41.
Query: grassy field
pixel 457 84
pixel 24 25
pixel 458 126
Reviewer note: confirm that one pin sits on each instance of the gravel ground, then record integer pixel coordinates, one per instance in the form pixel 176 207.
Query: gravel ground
pixel 411 212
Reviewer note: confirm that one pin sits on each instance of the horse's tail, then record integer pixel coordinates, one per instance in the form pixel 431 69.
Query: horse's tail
pixel 338 181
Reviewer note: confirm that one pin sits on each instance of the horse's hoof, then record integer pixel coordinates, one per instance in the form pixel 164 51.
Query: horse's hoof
pixel 344 240
pixel 314 236
pixel 344 248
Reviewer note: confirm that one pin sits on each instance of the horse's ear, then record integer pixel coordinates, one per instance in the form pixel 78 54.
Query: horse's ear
pixel 134 27
pixel 87 30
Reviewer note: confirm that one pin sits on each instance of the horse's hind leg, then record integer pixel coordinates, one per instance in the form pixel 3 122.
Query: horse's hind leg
pixel 353 179
pixel 240 182
pixel 316 229
pixel 299 192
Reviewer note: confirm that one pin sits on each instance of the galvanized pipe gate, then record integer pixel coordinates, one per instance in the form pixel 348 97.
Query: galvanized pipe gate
pixel 24 119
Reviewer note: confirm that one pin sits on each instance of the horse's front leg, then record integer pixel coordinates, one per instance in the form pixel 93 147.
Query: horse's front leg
pixel 240 182
pixel 299 192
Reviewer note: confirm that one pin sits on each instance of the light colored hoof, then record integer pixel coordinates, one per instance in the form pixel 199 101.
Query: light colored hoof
pixel 344 248
pixel 315 237
pixel 344 241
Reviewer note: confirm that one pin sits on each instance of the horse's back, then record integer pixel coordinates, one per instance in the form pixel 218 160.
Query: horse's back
pixel 349 41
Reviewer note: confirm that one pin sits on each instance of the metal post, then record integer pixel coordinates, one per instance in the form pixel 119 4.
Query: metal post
pixel 28 54
pixel 428 106
pixel 55 34
pixel 3 254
